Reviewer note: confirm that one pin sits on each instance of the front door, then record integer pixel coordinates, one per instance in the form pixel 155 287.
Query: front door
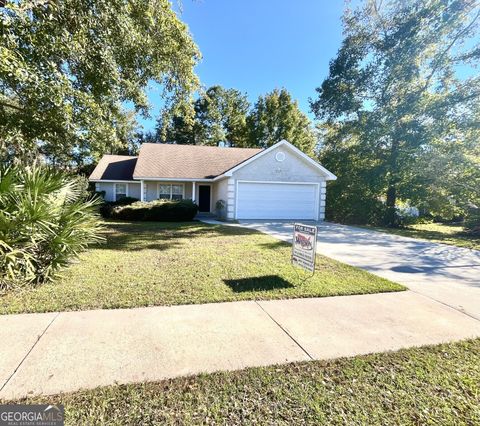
pixel 203 198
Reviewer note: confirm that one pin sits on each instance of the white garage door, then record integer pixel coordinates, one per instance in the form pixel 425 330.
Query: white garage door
pixel 276 201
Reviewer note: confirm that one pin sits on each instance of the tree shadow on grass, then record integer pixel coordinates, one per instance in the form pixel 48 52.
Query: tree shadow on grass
pixel 469 240
pixel 137 236
pixel 275 245
pixel 264 283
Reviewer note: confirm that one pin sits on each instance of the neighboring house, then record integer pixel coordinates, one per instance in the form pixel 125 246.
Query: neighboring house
pixel 279 182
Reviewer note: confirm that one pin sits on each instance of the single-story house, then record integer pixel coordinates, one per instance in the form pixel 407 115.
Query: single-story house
pixel 280 182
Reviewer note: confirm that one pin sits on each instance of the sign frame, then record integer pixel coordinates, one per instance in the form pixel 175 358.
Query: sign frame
pixel 304 246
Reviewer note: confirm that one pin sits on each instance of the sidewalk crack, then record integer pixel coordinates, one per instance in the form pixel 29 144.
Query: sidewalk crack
pixel 30 350
pixel 286 332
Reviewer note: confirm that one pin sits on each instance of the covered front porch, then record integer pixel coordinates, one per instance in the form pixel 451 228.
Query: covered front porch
pixel 203 193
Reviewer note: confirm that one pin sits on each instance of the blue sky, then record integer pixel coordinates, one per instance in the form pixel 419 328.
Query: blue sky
pixel 257 45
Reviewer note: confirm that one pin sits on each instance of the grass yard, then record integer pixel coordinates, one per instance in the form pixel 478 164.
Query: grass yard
pixel 429 385
pixel 438 232
pixel 146 264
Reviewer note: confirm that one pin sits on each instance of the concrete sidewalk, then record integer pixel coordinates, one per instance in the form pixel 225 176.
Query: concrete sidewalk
pixel 60 352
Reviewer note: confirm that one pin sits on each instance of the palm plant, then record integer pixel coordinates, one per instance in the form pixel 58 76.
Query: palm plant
pixel 45 221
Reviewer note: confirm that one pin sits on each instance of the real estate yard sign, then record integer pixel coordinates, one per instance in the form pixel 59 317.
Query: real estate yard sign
pixel 304 246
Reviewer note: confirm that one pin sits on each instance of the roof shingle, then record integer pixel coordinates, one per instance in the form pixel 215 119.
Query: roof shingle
pixel 114 167
pixel 188 161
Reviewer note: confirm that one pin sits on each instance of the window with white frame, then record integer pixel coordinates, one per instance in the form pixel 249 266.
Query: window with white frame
pixel 120 191
pixel 170 191
pixel 177 192
pixel 164 192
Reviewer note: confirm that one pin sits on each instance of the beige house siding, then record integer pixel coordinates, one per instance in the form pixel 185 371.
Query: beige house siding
pixel 109 188
pixel 291 169
pixel 220 192
pixel 267 168
pixel 134 190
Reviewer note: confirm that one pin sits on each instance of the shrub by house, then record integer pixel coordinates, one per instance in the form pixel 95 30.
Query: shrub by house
pixel 159 210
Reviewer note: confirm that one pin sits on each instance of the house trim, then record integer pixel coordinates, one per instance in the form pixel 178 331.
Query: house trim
pixel 113 181
pixel 137 178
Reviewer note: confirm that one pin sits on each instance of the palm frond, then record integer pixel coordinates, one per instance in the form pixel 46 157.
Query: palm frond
pixel 45 222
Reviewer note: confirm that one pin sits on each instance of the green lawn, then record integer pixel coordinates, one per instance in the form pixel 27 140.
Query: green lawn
pixel 430 385
pixel 438 232
pixel 145 264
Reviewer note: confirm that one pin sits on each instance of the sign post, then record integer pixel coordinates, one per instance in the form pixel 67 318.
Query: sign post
pixel 304 246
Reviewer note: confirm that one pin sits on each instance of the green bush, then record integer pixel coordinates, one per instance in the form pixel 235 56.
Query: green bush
pixel 403 220
pixel 45 221
pixel 106 208
pixel 159 210
pixel 124 201
pixel 354 209
pixel 472 222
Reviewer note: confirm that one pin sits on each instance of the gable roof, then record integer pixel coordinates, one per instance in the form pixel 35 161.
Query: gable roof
pixel 114 167
pixel 188 161
pixel 328 174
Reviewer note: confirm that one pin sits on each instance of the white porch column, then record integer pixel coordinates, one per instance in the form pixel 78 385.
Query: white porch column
pixel 194 190
pixel 142 191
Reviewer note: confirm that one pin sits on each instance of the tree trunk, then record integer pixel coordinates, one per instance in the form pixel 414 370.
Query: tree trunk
pixel 390 215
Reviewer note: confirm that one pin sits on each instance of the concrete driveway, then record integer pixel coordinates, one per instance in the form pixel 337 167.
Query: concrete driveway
pixel 448 274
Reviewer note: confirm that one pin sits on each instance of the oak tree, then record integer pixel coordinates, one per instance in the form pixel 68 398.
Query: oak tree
pixel 68 69
pixel 399 108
